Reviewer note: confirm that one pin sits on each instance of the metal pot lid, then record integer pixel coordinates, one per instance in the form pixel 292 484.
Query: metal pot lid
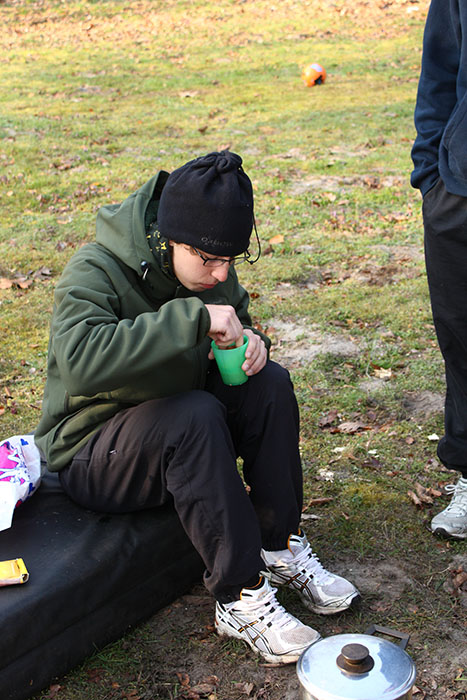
pixel 356 667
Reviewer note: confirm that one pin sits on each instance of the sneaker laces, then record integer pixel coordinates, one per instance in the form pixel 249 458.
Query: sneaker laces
pixel 458 504
pixel 271 610
pixel 308 561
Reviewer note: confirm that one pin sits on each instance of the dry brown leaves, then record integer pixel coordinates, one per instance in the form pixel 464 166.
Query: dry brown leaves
pixel 458 581
pixel 24 281
pixel 317 502
pixel 206 688
pixel 332 422
pixel 423 495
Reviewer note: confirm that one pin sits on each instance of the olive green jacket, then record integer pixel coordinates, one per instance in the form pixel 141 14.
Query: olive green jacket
pixel 123 329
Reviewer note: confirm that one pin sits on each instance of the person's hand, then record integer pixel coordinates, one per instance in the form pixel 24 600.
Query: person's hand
pixel 226 328
pixel 256 354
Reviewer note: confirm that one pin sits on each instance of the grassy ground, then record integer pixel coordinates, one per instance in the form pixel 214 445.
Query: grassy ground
pixel 97 96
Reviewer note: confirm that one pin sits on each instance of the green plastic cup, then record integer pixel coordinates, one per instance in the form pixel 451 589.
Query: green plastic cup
pixel 230 363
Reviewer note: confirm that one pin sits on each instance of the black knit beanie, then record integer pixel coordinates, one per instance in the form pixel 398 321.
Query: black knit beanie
pixel 208 204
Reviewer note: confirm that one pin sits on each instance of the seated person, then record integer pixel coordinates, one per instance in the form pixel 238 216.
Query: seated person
pixel 135 413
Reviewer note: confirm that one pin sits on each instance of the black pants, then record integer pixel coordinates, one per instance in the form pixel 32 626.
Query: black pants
pixel 445 220
pixel 184 449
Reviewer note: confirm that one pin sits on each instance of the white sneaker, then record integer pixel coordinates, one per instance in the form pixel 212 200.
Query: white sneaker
pixel 452 521
pixel 300 569
pixel 265 625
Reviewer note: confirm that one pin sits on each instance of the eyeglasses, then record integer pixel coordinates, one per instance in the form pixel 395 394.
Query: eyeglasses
pixel 218 262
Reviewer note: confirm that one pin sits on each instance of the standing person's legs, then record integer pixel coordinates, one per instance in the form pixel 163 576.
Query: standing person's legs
pixel 445 221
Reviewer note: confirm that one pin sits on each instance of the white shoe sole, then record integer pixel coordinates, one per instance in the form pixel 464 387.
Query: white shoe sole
pixel 224 630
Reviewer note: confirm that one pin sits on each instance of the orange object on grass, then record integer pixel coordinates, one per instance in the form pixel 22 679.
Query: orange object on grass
pixel 313 74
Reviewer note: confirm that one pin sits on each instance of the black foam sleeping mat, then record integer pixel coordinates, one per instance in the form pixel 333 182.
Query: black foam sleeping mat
pixel 92 577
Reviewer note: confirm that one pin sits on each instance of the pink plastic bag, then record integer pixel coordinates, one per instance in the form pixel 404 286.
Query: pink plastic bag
pixel 20 474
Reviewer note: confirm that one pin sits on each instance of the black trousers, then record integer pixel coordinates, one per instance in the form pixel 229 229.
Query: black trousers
pixel 445 221
pixel 183 449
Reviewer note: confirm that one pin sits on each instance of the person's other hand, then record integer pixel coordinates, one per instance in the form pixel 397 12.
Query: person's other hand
pixel 256 354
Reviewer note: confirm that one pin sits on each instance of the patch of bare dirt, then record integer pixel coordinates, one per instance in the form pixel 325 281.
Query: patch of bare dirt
pixel 402 252
pixel 298 343
pixel 416 405
pixel 423 404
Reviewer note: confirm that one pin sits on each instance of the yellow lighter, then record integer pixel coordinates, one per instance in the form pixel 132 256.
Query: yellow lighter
pixel 13 571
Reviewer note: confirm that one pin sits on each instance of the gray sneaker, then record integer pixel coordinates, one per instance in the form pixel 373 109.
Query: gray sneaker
pixel 452 521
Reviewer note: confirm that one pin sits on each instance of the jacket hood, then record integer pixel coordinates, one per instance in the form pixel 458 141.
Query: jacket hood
pixel 128 230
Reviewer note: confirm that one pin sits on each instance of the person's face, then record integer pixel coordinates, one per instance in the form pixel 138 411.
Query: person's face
pixel 190 271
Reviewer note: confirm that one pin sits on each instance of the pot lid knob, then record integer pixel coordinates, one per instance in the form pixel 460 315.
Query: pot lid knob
pixel 355 659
